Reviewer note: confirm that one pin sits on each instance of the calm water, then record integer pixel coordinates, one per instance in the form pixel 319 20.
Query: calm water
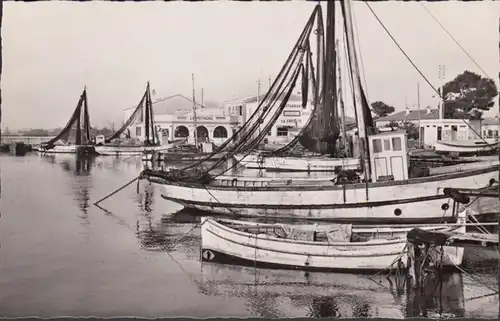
pixel 61 256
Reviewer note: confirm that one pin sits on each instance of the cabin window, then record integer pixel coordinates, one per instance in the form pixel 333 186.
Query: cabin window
pixel 396 143
pixel 387 144
pixel 377 146
pixel 427 126
pixel 462 125
pixel 495 133
pixel 433 125
pixel 138 131
pixel 446 125
pixel 282 131
pixel 240 110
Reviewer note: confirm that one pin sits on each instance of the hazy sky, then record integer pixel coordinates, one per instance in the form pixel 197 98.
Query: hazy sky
pixel 52 49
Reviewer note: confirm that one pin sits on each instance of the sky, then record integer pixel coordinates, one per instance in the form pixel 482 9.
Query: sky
pixel 52 49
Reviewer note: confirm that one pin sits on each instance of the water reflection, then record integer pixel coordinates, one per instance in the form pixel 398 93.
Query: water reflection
pixel 80 170
pixel 333 295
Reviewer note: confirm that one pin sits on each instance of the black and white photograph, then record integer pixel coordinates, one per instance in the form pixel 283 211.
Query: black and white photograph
pixel 268 159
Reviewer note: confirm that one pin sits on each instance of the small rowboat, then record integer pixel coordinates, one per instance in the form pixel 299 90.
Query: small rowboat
pixel 332 247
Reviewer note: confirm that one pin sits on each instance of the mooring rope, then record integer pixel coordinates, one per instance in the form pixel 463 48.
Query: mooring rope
pixel 116 191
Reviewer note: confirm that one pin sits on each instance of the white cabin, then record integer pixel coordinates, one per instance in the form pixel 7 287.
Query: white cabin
pixel 388 156
pixel 100 139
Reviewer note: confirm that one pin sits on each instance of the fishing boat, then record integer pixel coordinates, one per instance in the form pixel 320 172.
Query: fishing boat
pixel 340 247
pixel 383 193
pixel 143 113
pixel 464 147
pixel 75 137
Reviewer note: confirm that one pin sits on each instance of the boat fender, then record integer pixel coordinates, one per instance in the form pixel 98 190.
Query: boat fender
pixel 456 195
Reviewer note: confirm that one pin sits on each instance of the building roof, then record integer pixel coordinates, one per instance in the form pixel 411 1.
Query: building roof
pixel 413 115
pixel 491 121
pixel 173 105
pixel 252 99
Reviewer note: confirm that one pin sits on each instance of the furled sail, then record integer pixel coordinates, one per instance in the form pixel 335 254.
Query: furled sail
pixel 322 130
pixel 77 130
pixel 143 112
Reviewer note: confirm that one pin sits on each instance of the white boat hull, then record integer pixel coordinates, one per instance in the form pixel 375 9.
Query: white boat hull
pixel 467 146
pixel 221 243
pixel 412 201
pixel 293 163
pixel 107 150
pixel 62 149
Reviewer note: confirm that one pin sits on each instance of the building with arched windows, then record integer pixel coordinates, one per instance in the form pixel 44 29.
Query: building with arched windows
pixel 293 117
pixel 174 118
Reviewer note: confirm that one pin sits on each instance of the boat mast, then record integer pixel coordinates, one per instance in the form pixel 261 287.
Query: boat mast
pixel 418 106
pixel 319 64
pixel 341 101
pixel 147 116
pixel 358 101
pixel 154 132
pixel 258 103
pixel 194 116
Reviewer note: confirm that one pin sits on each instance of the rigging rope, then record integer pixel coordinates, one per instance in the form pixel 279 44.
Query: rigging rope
pixel 275 87
pixel 455 40
pixel 421 74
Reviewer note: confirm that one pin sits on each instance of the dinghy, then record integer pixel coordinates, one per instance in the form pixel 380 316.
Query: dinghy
pixel 464 147
pixel 339 247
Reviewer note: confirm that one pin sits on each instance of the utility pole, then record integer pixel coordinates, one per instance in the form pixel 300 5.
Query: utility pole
pixel 441 77
pixel 194 116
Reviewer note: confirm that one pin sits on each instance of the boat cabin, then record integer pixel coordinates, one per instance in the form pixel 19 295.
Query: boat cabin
pixel 100 139
pixel 388 156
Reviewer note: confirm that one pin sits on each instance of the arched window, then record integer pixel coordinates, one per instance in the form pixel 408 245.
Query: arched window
pixel 220 132
pixel 201 132
pixel 181 131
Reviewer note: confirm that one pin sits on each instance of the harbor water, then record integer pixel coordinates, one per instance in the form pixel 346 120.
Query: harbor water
pixel 139 256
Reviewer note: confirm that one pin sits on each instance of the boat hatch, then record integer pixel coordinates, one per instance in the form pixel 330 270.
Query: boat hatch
pixel 388 156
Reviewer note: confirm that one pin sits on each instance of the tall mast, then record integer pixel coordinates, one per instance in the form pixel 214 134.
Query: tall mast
pixel 194 116
pixel 342 112
pixel 154 132
pixel 258 102
pixel 330 114
pixel 418 106
pixel 319 65
pixel 147 115
pixel 201 97
pixel 358 101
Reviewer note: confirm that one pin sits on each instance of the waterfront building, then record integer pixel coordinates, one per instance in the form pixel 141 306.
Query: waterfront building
pixel 433 126
pixel 287 126
pixel 174 118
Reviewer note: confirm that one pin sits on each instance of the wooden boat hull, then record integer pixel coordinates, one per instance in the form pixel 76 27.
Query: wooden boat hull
pixel 179 156
pixel 294 163
pixel 412 201
pixel 221 243
pixel 467 146
pixel 109 150
pixel 64 149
